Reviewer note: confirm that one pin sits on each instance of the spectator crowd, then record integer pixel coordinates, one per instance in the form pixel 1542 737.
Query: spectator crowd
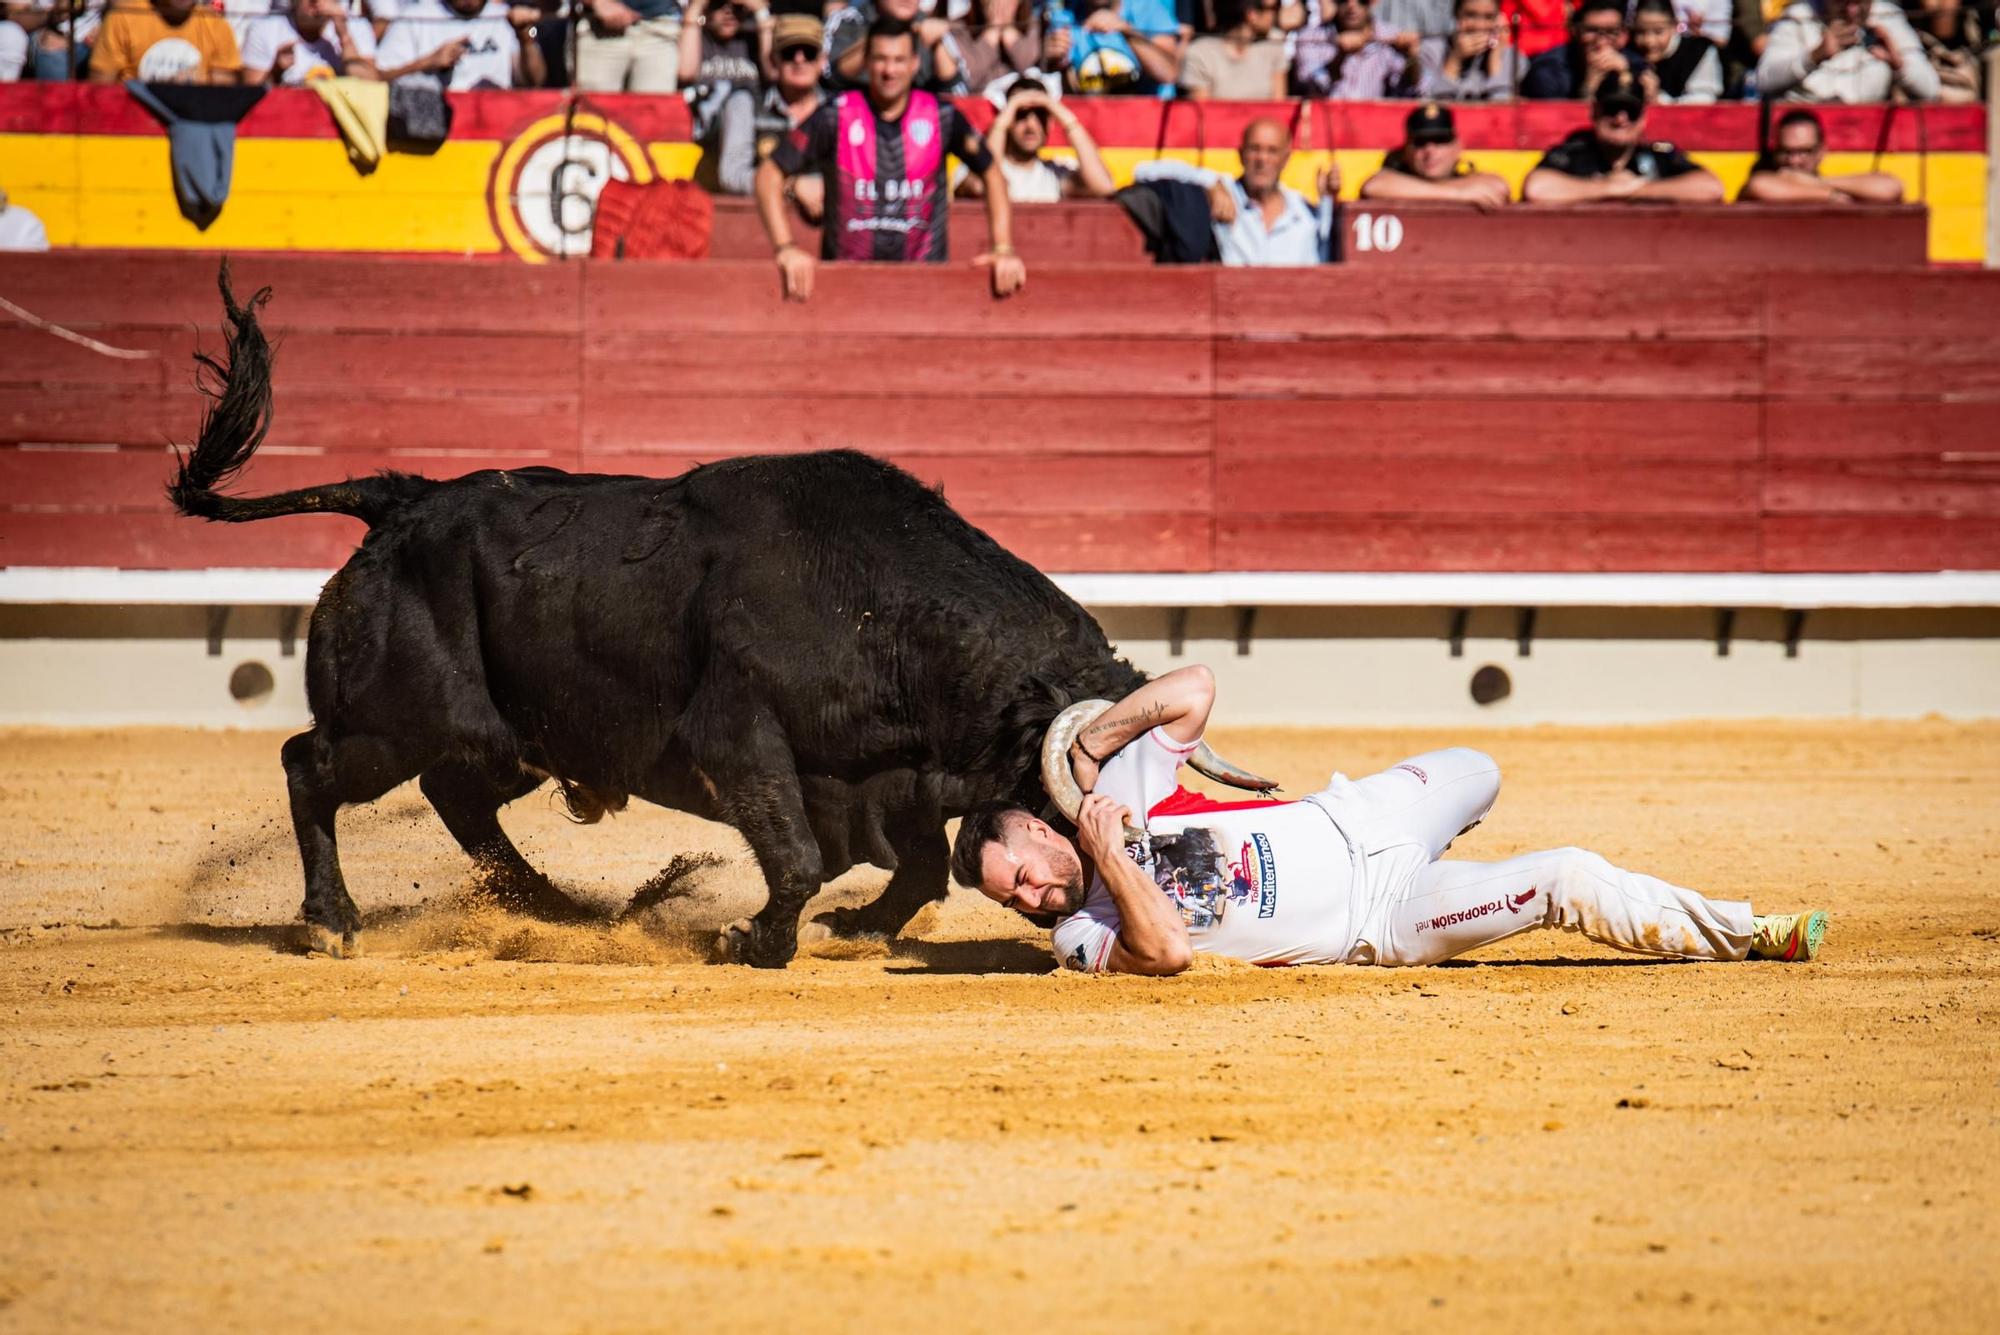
pixel 1680 51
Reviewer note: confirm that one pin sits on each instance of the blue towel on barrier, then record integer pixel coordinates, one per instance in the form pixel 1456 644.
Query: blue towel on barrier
pixel 201 135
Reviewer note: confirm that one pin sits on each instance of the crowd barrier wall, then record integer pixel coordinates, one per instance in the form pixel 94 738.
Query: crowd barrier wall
pixel 1110 418
pixel 521 171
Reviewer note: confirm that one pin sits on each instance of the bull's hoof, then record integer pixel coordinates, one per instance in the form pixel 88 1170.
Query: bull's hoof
pixel 332 944
pixel 742 943
pixel 854 925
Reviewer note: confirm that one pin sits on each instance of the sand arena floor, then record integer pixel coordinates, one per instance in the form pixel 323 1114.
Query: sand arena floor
pixel 488 1124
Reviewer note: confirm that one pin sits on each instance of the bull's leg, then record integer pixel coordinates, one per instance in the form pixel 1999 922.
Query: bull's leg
pixel 322 776
pixel 469 803
pixel 923 860
pixel 774 823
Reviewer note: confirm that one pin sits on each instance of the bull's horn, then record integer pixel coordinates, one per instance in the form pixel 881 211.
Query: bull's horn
pixel 1057 777
pixel 1205 761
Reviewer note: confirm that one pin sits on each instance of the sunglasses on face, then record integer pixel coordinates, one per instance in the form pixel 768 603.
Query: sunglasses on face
pixel 792 53
pixel 1619 112
pixel 1603 32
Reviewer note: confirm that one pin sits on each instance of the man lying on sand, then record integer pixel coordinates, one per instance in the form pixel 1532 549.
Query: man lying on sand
pixel 1348 875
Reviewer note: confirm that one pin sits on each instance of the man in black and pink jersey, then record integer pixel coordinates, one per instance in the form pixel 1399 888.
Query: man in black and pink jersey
pixel 882 153
pixel 1349 875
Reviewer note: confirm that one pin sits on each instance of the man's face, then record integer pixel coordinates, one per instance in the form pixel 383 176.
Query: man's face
pixel 174 11
pixel 310 16
pixel 1033 869
pixel 1846 11
pixel 906 10
pixel 1479 18
pixel 1262 16
pixel 1351 15
pixel 1600 28
pixel 1029 132
pixel 725 22
pixel 1265 151
pixel 1618 127
pixel 1433 161
pixel 1799 148
pixel 892 66
pixel 466 9
pixel 798 67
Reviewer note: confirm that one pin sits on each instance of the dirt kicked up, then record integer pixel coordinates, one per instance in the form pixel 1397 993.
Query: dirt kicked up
pixel 488 1124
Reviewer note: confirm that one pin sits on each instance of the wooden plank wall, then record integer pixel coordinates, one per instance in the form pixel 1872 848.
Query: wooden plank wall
pixel 1111 418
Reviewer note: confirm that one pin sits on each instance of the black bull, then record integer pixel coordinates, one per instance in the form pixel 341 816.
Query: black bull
pixel 815 649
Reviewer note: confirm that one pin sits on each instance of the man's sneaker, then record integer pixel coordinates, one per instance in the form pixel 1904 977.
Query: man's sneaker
pixel 1792 937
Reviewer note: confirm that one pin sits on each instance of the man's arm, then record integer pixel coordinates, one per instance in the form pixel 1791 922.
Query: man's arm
pixel 1869 187
pixel 1091 173
pixel 1479 188
pixel 530 69
pixel 1010 273
pixel 795 267
pixel 1546 185
pixel 1179 702
pixel 1152 939
pixel 1700 186
pixel 1788 187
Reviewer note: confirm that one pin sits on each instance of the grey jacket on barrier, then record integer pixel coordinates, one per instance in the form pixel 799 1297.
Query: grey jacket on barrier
pixel 1787 69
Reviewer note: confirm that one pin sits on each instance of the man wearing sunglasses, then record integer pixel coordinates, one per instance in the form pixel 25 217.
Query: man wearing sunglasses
pixel 1601 46
pixel 1788 173
pixel 1613 160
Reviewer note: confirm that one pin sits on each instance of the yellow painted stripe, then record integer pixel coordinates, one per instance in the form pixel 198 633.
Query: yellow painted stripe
pixel 302 194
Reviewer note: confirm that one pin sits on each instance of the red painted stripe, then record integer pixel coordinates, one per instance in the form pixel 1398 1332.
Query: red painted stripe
pixel 34 108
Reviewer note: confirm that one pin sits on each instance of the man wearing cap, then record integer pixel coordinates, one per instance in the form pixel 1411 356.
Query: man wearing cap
pixel 1613 160
pixel 1429 166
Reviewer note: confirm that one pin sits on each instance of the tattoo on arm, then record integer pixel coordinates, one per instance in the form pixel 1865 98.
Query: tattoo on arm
pixel 1145 719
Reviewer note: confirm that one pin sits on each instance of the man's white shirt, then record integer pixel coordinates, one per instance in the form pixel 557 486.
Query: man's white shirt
pixel 425 25
pixel 1267 884
pixel 270 34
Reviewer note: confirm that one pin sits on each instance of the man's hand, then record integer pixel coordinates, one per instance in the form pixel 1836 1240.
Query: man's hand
pixel 1328 180
pixel 1840 34
pixel 1084 766
pixel 1106 21
pixel 931 31
pixel 1649 84
pixel 1055 48
pixel 522 17
pixel 287 56
pixel 796 269
pixel 1100 828
pixel 1347 43
pixel 1885 50
pixel 441 60
pixel 1486 193
pixel 1406 42
pixel 1623 184
pixel 613 18
pixel 1010 273
pixel 1222 203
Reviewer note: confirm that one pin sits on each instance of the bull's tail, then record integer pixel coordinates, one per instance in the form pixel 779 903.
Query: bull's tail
pixel 238 387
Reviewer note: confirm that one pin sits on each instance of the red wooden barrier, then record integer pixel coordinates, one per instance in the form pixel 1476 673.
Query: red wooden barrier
pixel 1110 418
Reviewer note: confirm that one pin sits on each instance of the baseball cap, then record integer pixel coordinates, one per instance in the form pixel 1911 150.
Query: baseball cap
pixel 1430 124
pixel 797 30
pixel 1619 92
